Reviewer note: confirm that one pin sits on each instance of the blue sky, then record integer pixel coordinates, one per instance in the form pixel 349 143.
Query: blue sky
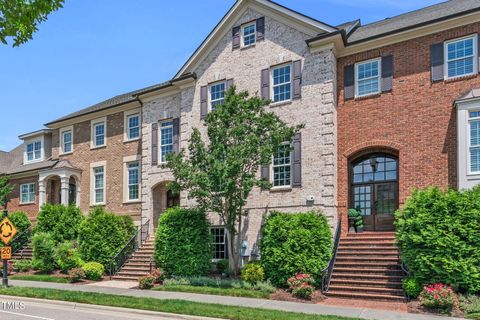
pixel 92 50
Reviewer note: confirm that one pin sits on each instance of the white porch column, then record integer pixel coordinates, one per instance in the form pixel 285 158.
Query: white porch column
pixel 77 198
pixel 42 193
pixel 64 190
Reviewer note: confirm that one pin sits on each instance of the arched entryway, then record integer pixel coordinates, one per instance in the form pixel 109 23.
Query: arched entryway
pixel 163 198
pixel 374 189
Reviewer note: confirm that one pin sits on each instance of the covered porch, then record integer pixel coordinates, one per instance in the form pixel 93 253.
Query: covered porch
pixel 60 185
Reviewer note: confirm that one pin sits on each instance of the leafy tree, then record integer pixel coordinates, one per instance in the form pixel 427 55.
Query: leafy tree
pixel 19 19
pixel 221 174
pixel 5 190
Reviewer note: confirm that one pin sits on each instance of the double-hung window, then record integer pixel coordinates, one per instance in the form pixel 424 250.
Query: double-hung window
pixel 67 141
pixel 133 170
pixel 27 193
pixel 461 57
pixel 99 132
pixel 282 83
pixel 217 94
pixel 474 143
pixel 219 243
pixel 34 151
pixel 99 185
pixel 249 34
pixel 166 140
pixel 133 127
pixel 367 78
pixel 281 167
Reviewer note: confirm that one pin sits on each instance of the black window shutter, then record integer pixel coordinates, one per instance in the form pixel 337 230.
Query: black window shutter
pixel 297 160
pixel 297 79
pixel 266 84
pixel 203 101
pixel 176 135
pixel 265 173
pixel 261 29
pixel 228 84
pixel 236 38
pixel 349 82
pixel 387 73
pixel 437 61
pixel 154 144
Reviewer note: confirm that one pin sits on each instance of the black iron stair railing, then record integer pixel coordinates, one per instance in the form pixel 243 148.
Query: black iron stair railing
pixel 21 239
pixel 327 272
pixel 119 259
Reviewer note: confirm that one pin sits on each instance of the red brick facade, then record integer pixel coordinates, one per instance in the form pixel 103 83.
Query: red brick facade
pixel 31 208
pixel 416 121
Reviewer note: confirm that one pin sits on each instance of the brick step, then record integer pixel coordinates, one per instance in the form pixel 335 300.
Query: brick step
pixel 364 289
pixel 128 268
pixel 124 278
pixel 137 264
pixel 365 264
pixel 367 283
pixel 379 271
pixel 367 249
pixel 139 260
pixel 369 238
pixel 141 251
pixel 367 259
pixel 131 274
pixel 365 296
pixel 368 256
pixel 142 255
pixel 372 277
pixel 371 244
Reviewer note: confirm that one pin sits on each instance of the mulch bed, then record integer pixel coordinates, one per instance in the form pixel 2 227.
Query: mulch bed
pixel 415 307
pixel 283 295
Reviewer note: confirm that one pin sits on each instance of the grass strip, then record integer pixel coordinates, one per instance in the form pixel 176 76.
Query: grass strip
pixel 233 292
pixel 40 277
pixel 168 306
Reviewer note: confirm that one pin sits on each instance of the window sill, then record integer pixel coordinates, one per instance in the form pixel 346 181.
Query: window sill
pixel 248 47
pixel 460 78
pixel 98 147
pixel 97 204
pixel 65 153
pixel 33 161
pixel 131 140
pixel 368 96
pixel 26 203
pixel 281 103
pixel 132 201
pixel 281 189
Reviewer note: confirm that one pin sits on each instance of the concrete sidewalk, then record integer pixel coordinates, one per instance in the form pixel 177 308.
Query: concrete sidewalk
pixel 237 301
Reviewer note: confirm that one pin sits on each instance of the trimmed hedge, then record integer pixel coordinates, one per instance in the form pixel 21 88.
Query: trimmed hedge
pixel 60 221
pixel 183 243
pixel 295 243
pixel 438 237
pixel 102 234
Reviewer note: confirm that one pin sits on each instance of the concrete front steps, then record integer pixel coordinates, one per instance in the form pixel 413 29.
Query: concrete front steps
pixel 139 263
pixel 367 267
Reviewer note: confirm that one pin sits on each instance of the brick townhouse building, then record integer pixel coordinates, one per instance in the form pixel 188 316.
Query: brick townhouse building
pixel 387 107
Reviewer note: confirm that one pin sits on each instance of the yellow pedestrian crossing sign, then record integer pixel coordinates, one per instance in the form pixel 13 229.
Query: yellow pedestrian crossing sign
pixel 7 230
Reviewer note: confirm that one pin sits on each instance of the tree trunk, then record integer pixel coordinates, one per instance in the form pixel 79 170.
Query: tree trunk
pixel 238 253
pixel 230 246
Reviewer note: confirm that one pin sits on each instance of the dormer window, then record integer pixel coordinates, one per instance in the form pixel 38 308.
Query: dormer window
pixel 34 151
pixel 249 34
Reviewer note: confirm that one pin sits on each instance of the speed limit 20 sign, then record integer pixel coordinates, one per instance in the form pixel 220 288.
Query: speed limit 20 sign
pixel 6 253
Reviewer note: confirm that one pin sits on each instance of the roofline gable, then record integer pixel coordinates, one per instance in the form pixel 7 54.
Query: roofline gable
pixel 304 23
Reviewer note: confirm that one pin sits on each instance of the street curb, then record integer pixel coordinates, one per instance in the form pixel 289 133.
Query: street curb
pixel 84 306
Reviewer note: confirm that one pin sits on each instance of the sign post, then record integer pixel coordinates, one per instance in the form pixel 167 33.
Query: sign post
pixel 7 232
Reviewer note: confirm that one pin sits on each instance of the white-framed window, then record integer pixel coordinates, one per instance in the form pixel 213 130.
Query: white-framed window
pixel 216 94
pixel 282 83
pixel 282 167
pixel 99 133
pixel 33 151
pixel 461 57
pixel 132 122
pixel 27 193
pixel 166 139
pixel 99 185
pixel 367 77
pixel 66 140
pixel 133 180
pixel 474 141
pixel 219 244
pixel 249 34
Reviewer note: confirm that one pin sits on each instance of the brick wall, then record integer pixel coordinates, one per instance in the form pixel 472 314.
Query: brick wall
pixel 32 208
pixel 417 119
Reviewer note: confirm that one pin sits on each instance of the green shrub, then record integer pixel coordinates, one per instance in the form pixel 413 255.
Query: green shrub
pixel 146 282
pixel 437 234
pixel 22 265
pixel 76 275
pixel 305 291
pixel 101 235
pixel 265 286
pixel 438 296
pixel 43 252
pixel 183 243
pixel 21 221
pixel 412 287
pixel 222 266
pixel 295 243
pixel 253 273
pixel 357 215
pixel 93 271
pixel 470 304
pixel 67 257
pixel 60 221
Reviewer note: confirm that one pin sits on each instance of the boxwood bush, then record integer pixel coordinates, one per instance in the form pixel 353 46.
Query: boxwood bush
pixel 438 237
pixel 102 234
pixel 60 221
pixel 183 243
pixel 295 243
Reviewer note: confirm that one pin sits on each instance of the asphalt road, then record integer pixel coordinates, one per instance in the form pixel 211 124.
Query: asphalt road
pixel 28 309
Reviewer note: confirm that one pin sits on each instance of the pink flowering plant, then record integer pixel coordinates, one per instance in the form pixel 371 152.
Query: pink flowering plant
pixel 301 285
pixel 438 296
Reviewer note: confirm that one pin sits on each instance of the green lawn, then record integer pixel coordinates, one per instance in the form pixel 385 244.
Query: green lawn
pixel 216 291
pixel 169 306
pixel 40 277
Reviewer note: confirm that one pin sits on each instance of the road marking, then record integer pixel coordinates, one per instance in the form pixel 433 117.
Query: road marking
pixel 26 315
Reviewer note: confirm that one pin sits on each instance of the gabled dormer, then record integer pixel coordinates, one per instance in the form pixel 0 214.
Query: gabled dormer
pixel 37 146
